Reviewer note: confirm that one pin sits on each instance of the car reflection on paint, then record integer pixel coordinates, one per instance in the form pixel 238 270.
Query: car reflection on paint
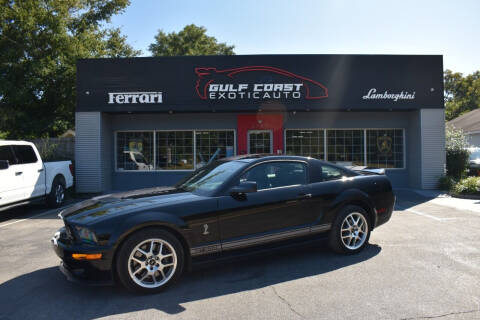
pixel 147 238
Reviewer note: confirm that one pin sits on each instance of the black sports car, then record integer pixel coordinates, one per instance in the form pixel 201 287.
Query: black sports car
pixel 146 238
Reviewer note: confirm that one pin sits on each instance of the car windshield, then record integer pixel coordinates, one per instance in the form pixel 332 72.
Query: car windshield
pixel 210 177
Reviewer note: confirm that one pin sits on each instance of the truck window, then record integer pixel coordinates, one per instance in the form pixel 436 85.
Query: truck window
pixel 7 154
pixel 25 154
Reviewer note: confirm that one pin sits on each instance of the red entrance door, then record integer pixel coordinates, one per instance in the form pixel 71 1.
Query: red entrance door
pixel 260 133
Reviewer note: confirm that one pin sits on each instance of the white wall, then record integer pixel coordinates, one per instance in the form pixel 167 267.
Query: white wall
pixel 432 129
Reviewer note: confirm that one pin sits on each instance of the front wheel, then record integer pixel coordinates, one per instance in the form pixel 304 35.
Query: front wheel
pixel 150 260
pixel 350 231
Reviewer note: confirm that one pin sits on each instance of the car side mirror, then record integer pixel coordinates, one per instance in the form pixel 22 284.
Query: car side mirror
pixel 243 188
pixel 4 164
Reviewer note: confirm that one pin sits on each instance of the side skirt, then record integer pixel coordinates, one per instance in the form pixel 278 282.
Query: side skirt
pixel 258 240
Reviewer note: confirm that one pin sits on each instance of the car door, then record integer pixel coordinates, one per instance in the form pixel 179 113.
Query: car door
pixel 278 209
pixel 11 182
pixel 31 168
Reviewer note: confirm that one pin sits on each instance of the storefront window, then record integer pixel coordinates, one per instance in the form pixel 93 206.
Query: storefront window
pixel 135 151
pixel 308 143
pixel 217 144
pixel 174 150
pixel 345 147
pixel 385 148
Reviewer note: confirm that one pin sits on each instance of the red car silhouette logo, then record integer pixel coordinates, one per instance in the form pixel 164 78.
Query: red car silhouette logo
pixel 208 75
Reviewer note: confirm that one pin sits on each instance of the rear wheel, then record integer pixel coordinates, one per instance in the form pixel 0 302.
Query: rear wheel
pixel 57 193
pixel 350 231
pixel 150 260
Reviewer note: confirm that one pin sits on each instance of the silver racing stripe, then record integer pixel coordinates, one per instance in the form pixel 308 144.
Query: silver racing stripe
pixel 242 243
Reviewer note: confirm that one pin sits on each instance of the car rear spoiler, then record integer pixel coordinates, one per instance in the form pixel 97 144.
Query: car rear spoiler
pixel 365 170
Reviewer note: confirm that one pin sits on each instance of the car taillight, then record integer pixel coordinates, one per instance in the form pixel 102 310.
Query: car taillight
pixel 71 169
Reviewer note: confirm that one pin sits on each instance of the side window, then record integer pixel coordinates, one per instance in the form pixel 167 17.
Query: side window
pixel 7 154
pixel 333 173
pixel 25 154
pixel 276 174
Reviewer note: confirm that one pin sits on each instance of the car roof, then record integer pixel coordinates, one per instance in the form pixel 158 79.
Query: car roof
pixel 259 157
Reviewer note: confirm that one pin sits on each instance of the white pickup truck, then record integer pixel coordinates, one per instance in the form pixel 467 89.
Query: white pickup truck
pixel 25 178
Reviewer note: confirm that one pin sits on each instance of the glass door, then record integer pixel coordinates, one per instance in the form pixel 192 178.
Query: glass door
pixel 259 141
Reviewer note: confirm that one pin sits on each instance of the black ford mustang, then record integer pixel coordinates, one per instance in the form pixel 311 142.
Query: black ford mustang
pixel 146 238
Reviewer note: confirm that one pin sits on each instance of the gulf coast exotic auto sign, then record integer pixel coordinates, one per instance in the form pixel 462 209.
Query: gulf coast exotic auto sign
pixel 255 83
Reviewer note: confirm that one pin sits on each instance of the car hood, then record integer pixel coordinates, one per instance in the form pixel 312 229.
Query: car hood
pixel 105 206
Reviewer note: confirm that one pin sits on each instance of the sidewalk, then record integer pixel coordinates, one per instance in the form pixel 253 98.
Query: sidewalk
pixel 444 199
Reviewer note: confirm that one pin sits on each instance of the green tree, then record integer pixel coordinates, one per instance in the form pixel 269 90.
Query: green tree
pixel 191 41
pixel 462 93
pixel 457 154
pixel 40 41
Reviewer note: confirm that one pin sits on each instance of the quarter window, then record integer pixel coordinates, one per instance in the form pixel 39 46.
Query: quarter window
pixel 385 148
pixel 333 173
pixel 345 147
pixel 174 150
pixel 307 143
pixel 276 174
pixel 135 151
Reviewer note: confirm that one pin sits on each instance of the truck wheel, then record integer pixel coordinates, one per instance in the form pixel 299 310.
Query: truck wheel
pixel 150 260
pixel 57 193
pixel 350 231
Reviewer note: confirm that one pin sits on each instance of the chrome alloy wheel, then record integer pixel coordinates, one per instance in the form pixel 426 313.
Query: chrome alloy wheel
pixel 354 231
pixel 152 263
pixel 59 194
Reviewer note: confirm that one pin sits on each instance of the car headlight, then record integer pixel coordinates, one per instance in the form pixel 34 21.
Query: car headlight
pixel 86 235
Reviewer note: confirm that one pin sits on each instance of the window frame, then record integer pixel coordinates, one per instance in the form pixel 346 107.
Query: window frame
pixel 195 143
pixel 325 140
pixel 318 129
pixel 115 134
pixel 404 149
pixel 305 163
pixel 260 131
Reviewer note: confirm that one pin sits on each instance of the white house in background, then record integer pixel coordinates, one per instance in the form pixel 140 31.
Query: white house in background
pixel 470 124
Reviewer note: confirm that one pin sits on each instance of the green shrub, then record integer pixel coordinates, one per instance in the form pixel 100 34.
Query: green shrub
pixel 456 151
pixel 468 185
pixel 446 183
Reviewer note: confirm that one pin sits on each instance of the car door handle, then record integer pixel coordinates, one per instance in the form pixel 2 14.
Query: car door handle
pixel 18 173
pixel 40 170
pixel 304 196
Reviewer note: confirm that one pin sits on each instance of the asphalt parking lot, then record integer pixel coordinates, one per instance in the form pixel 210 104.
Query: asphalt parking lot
pixel 424 263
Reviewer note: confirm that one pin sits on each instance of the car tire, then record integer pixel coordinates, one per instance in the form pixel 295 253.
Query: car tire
pixel 149 261
pixel 350 231
pixel 57 193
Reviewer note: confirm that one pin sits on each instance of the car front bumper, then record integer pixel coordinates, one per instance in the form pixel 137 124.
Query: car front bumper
pixel 92 272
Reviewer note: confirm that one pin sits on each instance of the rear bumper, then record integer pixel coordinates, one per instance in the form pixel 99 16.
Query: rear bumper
pixel 386 214
pixel 94 272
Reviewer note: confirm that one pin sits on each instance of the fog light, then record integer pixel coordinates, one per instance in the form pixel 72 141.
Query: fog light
pixel 86 256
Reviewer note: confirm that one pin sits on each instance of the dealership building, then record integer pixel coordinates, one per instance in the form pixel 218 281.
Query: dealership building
pixel 143 122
